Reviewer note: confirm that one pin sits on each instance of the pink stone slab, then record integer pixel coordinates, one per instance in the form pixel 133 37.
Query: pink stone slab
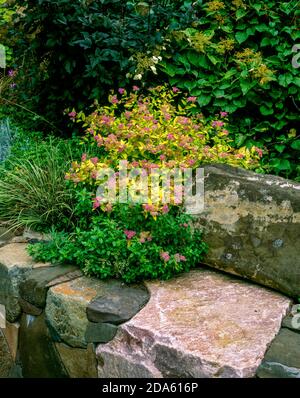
pixel 201 324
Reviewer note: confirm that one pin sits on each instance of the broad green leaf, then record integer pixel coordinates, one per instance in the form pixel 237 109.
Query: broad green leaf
pixel 279 148
pixel 240 13
pixel 286 79
pixel 241 36
pixel 265 110
pixel 296 145
pixel 204 100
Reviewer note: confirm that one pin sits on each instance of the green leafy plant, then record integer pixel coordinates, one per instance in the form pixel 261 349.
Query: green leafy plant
pixel 149 240
pixel 237 56
pixel 6 136
pixel 7 11
pixel 125 245
pixel 71 53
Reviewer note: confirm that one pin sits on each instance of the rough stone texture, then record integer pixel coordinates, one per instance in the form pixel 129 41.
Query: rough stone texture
pixel 251 224
pixel 33 236
pixel 79 363
pixel 34 288
pixel 38 354
pixel 66 309
pixel 283 357
pixel 15 264
pixel 292 320
pixel 6 361
pixel 100 332
pixel 201 324
pixel 29 308
pixel 69 303
pixel 118 302
pixel 11 334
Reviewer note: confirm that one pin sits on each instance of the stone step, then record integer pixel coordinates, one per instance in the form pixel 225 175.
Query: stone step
pixel 201 324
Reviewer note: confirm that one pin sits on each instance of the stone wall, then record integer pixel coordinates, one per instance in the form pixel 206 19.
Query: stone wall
pixel 200 324
pixel 206 323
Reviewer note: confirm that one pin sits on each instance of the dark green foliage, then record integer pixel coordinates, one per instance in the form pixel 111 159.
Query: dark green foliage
pixel 76 51
pixel 237 57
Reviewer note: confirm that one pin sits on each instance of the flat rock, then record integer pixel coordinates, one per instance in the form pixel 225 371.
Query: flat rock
pixel 118 302
pixel 79 363
pixel 66 309
pixel 292 320
pixel 251 224
pixel 29 308
pixel 283 357
pixel 201 324
pixel 100 332
pixel 35 287
pixel 30 235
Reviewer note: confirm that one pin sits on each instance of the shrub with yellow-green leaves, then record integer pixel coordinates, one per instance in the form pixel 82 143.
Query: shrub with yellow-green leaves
pixel 135 241
pixel 159 130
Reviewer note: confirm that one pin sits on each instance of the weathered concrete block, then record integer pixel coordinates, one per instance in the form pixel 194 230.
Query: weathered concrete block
pixel 252 226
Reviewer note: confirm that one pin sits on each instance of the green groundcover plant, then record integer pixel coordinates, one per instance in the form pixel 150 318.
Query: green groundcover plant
pixel 124 244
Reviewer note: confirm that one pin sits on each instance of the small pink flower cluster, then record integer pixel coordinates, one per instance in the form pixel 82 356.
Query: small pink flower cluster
pixel 129 234
pixel 259 151
pixel 96 202
pixel 165 256
pixel 217 123
pixel 145 237
pixel 178 257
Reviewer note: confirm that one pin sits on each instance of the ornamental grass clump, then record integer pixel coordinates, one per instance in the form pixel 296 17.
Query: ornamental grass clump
pixel 33 192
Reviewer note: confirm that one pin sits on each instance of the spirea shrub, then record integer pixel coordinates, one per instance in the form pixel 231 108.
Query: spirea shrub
pixel 133 241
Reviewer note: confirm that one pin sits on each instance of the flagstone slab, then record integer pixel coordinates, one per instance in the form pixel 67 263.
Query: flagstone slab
pixel 201 324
